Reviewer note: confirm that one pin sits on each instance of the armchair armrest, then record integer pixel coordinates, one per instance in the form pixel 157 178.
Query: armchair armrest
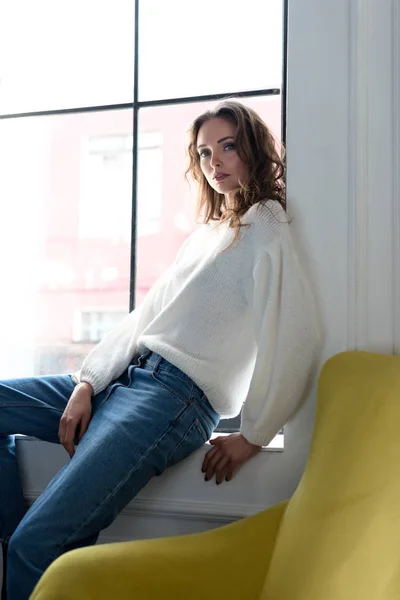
pixel 231 560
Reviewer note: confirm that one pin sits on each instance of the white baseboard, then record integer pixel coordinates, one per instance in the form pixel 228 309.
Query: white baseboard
pixel 180 509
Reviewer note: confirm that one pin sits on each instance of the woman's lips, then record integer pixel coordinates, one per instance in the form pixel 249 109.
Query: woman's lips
pixel 220 177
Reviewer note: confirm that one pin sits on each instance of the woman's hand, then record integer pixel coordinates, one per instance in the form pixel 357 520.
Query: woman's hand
pixel 77 413
pixel 228 453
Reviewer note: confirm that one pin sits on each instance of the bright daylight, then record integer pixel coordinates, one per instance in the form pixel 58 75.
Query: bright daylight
pixel 200 300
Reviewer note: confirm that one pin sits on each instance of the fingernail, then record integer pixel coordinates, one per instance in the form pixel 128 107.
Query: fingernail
pixel 205 478
pixel 217 482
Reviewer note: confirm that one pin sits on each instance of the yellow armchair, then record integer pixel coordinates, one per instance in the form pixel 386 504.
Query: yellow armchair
pixel 337 538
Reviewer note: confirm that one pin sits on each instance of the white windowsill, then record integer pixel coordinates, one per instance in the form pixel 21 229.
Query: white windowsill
pixel 181 492
pixel 277 444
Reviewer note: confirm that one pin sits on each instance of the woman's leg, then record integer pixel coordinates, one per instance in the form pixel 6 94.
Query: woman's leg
pixel 149 421
pixel 4 548
pixel 31 406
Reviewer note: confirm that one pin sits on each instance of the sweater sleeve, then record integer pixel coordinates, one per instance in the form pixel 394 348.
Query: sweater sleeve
pixel 109 359
pixel 287 337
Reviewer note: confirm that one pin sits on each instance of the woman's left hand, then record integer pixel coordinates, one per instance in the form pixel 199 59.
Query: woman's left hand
pixel 228 453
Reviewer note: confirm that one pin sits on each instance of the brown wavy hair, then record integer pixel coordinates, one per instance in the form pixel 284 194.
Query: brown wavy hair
pixel 259 151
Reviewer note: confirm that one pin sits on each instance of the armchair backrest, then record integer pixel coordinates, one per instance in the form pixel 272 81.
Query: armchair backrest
pixel 340 536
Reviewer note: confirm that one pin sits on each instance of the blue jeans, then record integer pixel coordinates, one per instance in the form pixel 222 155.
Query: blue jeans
pixel 149 419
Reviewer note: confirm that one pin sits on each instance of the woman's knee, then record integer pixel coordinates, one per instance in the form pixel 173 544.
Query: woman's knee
pixel 30 547
pixel 18 544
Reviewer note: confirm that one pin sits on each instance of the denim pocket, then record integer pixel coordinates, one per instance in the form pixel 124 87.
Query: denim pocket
pixel 194 438
pixel 205 416
pixel 173 383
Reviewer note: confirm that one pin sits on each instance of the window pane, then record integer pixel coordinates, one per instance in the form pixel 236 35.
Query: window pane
pixel 157 251
pixel 65 246
pixel 197 48
pixel 65 54
pixel 91 326
pixel 165 201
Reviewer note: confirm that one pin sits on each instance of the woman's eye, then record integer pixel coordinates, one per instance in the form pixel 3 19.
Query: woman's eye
pixel 205 153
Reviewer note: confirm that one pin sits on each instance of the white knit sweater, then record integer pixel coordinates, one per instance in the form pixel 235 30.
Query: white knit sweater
pixel 241 323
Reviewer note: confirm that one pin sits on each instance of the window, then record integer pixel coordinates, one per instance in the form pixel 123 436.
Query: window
pixel 197 59
pixel 92 325
pixel 63 55
pixel 106 186
pixel 105 204
pixel 95 147
pixel 150 174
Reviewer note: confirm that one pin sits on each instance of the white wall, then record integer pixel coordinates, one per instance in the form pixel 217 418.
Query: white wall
pixel 343 188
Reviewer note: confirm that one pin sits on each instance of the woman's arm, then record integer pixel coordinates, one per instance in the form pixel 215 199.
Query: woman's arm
pixel 113 354
pixel 287 337
pixel 109 359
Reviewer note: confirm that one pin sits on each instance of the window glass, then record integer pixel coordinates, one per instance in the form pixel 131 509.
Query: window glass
pixel 92 325
pixel 105 202
pixel 62 178
pixel 65 54
pixel 157 251
pixel 198 48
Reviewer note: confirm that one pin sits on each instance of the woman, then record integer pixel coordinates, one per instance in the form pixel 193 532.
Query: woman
pixel 230 322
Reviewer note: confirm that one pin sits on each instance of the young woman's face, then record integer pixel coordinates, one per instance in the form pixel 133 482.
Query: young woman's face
pixel 219 161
